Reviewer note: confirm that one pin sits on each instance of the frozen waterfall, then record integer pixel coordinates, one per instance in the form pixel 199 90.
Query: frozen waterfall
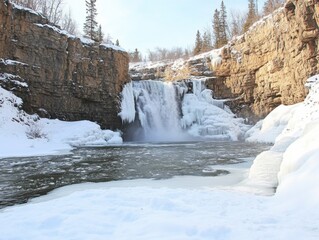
pixel 157 107
pixel 168 111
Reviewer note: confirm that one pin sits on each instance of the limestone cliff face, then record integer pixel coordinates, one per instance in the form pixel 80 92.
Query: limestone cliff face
pixel 67 78
pixel 269 64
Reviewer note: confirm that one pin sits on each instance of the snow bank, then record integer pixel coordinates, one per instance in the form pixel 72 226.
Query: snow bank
pixel 267 130
pixel 136 210
pixel 56 29
pixel 294 131
pixel 25 135
pixel 299 171
pixel 114 47
pixel 140 66
pixel 17 81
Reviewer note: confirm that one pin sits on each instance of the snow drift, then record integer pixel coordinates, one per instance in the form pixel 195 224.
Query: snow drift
pixel 292 163
pixel 28 135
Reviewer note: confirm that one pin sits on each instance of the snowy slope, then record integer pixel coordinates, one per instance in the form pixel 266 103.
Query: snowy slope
pixel 25 135
pixel 293 160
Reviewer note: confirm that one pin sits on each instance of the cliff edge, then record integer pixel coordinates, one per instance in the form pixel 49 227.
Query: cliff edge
pixel 59 75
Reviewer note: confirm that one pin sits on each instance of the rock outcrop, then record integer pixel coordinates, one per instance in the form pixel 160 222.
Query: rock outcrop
pixel 58 75
pixel 269 64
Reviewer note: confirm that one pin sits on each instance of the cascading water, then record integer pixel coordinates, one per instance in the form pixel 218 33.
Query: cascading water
pixel 158 110
pixel 166 111
pixel 157 106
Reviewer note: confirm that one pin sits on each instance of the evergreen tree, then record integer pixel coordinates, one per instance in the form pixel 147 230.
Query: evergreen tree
pixel 238 20
pixel 136 56
pixel 207 42
pixel 117 43
pixel 223 26
pixel 90 25
pixel 252 14
pixel 100 34
pixel 198 43
pixel 216 29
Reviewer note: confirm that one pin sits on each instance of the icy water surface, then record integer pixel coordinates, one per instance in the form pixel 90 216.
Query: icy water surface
pixel 24 178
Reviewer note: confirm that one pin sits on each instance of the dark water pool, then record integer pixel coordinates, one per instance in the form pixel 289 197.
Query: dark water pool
pixel 24 178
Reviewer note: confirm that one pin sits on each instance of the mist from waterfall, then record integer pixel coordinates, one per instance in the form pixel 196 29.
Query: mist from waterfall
pixel 168 112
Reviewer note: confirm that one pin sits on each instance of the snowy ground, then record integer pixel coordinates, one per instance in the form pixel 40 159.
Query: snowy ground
pixel 167 209
pixel 191 207
pixel 25 135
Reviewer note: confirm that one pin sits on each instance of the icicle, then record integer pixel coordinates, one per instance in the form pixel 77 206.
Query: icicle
pixel 127 104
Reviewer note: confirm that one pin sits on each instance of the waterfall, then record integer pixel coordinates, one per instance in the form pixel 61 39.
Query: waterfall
pixel 166 111
pixel 157 105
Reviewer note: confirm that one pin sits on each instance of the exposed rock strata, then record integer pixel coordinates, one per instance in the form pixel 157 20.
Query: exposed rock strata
pixel 67 78
pixel 268 65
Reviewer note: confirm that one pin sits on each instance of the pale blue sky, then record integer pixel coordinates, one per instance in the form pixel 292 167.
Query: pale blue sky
pixel 147 24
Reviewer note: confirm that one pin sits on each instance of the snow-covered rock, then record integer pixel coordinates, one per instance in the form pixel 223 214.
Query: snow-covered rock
pixel 28 135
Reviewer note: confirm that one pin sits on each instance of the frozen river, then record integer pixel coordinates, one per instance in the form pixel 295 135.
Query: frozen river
pixel 24 178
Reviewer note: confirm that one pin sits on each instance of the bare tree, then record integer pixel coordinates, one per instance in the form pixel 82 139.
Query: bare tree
pixel 33 4
pixel 108 39
pixel 272 5
pixel 238 20
pixel 162 54
pixel 69 24
pixel 53 10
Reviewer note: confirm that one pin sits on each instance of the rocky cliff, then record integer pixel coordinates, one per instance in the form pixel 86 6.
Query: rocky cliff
pixel 269 64
pixel 58 75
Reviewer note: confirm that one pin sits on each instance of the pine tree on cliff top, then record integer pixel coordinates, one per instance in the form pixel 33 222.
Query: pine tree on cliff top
pixel 252 14
pixel 223 27
pixel 90 25
pixel 207 42
pixel 216 29
pixel 100 34
pixel 198 43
